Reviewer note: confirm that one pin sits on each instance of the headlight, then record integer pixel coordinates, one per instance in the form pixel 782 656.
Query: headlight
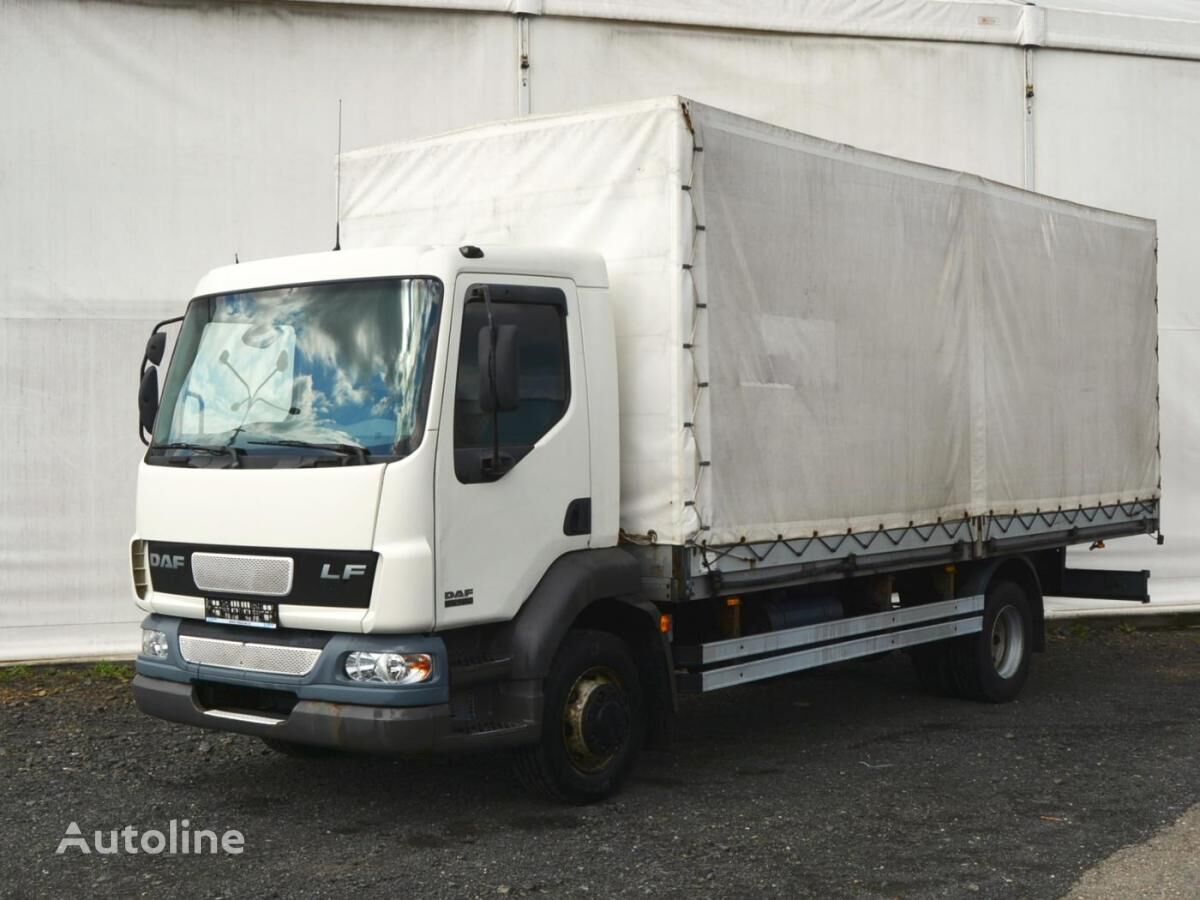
pixel 154 643
pixel 389 668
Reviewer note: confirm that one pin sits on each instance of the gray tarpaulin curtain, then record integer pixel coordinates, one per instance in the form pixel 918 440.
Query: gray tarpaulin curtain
pixel 849 341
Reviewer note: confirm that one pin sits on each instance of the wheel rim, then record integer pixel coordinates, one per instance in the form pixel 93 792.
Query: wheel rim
pixel 1008 642
pixel 596 719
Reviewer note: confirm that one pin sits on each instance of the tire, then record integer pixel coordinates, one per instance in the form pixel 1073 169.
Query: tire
pixel 298 751
pixel 993 665
pixel 593 721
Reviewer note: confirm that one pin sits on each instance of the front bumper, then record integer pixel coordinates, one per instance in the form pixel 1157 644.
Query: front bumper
pixel 345 726
pixel 324 707
pixel 321 707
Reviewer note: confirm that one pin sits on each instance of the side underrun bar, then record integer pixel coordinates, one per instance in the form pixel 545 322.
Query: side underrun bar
pixel 721 664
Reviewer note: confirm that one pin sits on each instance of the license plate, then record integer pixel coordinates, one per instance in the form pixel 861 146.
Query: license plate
pixel 254 613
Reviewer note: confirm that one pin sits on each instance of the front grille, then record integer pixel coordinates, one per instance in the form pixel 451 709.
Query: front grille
pixel 272 659
pixel 227 573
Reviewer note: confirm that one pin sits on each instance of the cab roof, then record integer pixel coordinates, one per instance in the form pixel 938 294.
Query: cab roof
pixel 585 268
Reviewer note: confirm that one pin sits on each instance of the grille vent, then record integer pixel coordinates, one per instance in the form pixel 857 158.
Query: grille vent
pixel 225 573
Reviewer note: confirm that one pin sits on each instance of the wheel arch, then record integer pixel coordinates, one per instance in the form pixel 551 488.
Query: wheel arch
pixel 596 589
pixel 1018 569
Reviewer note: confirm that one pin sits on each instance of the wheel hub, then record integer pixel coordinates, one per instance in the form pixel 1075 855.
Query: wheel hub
pixel 605 719
pixel 596 720
pixel 1008 642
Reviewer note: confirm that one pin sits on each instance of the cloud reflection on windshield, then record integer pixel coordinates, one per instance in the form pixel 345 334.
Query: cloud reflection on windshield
pixel 342 362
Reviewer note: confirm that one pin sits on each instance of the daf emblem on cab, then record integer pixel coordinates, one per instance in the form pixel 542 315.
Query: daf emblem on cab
pixel 460 598
pixel 348 571
pixel 166 561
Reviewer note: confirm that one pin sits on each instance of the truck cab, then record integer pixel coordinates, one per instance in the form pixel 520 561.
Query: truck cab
pixel 362 466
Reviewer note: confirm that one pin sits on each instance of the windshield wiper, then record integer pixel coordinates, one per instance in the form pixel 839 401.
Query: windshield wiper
pixel 215 450
pixel 341 449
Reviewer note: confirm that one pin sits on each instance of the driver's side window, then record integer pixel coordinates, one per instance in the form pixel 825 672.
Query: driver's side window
pixel 543 378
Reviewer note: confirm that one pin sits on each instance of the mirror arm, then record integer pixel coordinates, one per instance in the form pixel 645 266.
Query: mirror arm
pixel 154 331
pixel 170 321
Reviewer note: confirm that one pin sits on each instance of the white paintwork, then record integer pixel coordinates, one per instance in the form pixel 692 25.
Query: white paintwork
pixel 403 595
pixel 166 604
pixel 600 356
pixel 319 618
pixel 585 266
pixel 324 508
pixel 499 538
pixel 496 538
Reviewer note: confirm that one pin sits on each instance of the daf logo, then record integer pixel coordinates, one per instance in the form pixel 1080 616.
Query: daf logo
pixel 349 571
pixel 166 561
pixel 464 597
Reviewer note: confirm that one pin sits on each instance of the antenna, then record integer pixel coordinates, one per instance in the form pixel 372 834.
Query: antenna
pixel 337 210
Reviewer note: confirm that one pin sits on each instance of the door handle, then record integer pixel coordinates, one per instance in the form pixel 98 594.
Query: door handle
pixel 578 519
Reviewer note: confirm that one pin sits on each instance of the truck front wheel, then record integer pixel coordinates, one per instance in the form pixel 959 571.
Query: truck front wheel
pixel 593 721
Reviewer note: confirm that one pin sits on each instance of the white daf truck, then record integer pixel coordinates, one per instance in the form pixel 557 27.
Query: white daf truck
pixel 595 409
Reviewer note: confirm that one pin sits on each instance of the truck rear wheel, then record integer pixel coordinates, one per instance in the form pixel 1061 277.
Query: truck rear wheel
pixel 593 721
pixel 991 666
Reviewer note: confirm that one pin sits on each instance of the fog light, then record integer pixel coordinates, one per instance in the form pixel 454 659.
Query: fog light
pixel 389 668
pixel 154 643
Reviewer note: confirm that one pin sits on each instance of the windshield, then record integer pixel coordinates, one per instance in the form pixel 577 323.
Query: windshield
pixel 321 372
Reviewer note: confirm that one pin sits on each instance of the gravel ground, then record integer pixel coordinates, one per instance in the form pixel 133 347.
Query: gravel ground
pixel 1167 867
pixel 843 783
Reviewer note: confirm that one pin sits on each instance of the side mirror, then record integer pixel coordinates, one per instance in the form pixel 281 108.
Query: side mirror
pixel 498 376
pixel 148 399
pixel 155 347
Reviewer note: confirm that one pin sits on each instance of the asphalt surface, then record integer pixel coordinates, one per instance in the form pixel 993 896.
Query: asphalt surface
pixel 843 783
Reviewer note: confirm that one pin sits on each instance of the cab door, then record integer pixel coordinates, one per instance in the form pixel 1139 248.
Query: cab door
pixel 501 524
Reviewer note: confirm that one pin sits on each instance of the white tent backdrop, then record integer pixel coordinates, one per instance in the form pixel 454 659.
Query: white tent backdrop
pixel 143 143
